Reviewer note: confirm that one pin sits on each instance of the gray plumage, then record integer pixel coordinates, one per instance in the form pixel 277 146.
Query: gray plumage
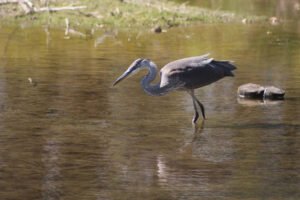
pixel 184 74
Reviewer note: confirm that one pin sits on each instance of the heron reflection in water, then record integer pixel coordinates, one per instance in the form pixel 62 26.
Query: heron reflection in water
pixel 186 74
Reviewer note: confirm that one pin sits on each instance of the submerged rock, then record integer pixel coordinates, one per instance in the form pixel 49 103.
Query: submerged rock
pixel 255 91
pixel 257 102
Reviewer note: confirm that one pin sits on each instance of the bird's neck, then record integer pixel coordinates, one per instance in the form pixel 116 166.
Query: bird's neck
pixel 152 89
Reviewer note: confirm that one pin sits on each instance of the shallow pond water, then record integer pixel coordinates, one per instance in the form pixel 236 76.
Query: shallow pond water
pixel 282 9
pixel 66 133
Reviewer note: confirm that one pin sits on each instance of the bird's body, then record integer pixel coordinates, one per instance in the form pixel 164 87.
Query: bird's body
pixel 184 74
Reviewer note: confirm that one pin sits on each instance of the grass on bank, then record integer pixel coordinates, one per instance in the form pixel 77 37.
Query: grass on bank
pixel 119 14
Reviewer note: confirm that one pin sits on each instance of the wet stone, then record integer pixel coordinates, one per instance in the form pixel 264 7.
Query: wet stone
pixel 157 29
pixel 251 90
pixel 272 92
pixel 255 91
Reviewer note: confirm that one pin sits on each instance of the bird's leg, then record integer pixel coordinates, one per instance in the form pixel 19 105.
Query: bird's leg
pixel 202 108
pixel 196 115
pixel 195 103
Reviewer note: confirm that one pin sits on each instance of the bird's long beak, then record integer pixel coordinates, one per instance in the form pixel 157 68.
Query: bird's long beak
pixel 133 68
pixel 123 76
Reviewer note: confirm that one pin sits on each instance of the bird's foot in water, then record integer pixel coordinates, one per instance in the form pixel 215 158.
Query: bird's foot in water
pixel 198 127
pixel 195 118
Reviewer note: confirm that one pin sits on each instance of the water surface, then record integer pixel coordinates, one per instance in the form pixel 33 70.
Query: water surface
pixel 65 133
pixel 282 9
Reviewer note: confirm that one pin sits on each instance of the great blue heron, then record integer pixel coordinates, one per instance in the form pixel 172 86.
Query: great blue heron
pixel 184 74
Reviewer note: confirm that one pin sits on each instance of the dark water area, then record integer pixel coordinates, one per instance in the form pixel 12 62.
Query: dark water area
pixel 66 133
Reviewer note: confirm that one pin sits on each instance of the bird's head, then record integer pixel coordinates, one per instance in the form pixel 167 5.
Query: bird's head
pixel 132 69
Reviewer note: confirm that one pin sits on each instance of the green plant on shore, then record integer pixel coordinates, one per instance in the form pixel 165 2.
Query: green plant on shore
pixel 122 14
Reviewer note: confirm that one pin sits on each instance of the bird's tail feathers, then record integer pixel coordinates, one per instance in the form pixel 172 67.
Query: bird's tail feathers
pixel 227 66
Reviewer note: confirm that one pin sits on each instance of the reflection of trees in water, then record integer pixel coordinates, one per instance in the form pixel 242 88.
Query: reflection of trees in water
pixel 288 9
pixel 50 184
pixel 279 8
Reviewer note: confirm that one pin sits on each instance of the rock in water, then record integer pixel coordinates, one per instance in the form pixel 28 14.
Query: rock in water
pixel 255 91
pixel 251 90
pixel 157 29
pixel 274 93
